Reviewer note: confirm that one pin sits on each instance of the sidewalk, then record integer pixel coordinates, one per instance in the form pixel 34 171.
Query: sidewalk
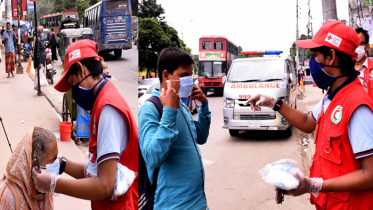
pixel 312 96
pixel 20 109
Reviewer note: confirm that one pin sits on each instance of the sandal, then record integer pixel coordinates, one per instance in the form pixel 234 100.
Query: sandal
pixel 77 142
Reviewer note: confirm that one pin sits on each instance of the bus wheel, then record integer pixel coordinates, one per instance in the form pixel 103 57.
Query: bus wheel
pixel 234 132
pixel 118 53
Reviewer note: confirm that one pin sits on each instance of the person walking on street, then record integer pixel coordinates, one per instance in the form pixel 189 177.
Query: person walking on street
pixel 168 141
pixel 113 142
pixel 363 64
pixel 342 170
pixel 15 43
pixel 8 39
pixel 42 55
pixel 2 31
pixel 53 45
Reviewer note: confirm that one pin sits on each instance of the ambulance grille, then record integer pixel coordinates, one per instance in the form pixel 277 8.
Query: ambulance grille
pixel 212 83
pixel 257 117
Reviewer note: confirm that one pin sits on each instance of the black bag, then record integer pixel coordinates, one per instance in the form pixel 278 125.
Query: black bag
pixel 146 190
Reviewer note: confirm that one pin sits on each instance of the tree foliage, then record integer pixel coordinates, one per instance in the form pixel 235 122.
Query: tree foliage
pixel 68 4
pixel 81 6
pixel 57 6
pixel 152 39
pixel 150 9
pixel 293 49
pixel 155 35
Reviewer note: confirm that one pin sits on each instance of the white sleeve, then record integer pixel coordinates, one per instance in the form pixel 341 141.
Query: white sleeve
pixel 360 131
pixel 112 135
pixel 317 110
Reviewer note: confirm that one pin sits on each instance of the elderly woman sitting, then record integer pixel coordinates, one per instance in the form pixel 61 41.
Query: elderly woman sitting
pixel 17 190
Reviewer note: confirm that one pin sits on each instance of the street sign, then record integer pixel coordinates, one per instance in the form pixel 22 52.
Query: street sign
pixel 30 7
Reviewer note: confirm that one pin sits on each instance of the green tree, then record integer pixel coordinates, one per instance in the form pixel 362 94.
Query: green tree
pixel 93 2
pixel 150 9
pixel 44 7
pixel 152 39
pixel 57 6
pixel 81 6
pixel 68 4
pixel 293 49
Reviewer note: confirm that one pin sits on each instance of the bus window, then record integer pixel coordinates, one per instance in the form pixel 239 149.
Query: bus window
pixel 98 14
pixel 206 45
pixel 218 45
pixel 89 17
pixel 95 16
pixel 206 68
pixel 115 5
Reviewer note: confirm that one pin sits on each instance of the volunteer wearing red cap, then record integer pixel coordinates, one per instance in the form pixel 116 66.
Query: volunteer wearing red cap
pixel 113 135
pixel 342 168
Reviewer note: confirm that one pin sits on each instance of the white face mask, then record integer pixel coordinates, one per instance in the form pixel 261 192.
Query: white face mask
pixel 360 52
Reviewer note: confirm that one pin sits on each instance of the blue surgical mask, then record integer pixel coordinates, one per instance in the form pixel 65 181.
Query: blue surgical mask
pixel 186 86
pixel 54 167
pixel 322 79
pixel 84 97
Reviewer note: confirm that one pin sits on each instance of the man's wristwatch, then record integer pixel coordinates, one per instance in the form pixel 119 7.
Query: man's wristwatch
pixel 63 164
pixel 278 104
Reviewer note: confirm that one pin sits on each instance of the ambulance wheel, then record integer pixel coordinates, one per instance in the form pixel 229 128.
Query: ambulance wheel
pixel 289 132
pixel 234 132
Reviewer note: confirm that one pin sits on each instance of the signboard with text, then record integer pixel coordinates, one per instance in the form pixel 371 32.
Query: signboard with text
pixel 212 56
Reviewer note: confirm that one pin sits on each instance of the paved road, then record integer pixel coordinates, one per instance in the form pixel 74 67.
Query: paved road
pixel 232 165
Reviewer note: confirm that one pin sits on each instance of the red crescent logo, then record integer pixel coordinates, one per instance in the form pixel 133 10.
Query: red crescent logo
pixel 335 113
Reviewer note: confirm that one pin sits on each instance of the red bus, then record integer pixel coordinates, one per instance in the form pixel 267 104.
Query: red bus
pixel 216 54
pixel 53 20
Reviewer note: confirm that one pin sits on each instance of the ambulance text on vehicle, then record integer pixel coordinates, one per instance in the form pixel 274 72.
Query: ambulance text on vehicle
pixel 250 76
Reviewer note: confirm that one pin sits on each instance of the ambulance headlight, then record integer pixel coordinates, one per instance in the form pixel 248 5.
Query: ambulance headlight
pixel 228 103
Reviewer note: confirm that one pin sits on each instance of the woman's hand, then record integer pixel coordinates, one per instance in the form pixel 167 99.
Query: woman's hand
pixel 45 181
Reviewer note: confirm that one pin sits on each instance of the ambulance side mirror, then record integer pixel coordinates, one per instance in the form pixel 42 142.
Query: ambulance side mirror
pixel 224 79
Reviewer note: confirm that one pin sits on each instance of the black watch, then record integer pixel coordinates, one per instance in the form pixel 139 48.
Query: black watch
pixel 278 104
pixel 62 165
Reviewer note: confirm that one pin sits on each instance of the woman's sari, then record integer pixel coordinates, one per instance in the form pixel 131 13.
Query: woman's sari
pixel 17 190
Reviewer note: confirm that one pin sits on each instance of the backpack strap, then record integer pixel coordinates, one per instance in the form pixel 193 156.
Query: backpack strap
pixel 158 104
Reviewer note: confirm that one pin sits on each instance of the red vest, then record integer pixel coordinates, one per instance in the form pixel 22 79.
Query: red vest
pixel 109 95
pixel 369 79
pixel 334 156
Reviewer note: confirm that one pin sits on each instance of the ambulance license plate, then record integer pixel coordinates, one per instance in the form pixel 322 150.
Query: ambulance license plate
pixel 254 124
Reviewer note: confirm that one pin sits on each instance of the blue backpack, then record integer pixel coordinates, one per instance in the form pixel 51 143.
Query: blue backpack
pixel 146 189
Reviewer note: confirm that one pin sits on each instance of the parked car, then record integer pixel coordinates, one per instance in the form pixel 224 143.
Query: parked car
pixel 148 93
pixel 146 84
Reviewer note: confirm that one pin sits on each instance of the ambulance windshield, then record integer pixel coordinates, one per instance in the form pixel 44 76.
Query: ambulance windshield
pixel 257 70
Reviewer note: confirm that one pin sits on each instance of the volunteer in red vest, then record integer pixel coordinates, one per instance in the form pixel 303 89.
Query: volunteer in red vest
pixel 363 64
pixel 113 135
pixel 342 170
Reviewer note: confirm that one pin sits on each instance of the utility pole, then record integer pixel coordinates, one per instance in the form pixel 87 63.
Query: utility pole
pixel 296 38
pixel 329 10
pixel 8 11
pixel 19 67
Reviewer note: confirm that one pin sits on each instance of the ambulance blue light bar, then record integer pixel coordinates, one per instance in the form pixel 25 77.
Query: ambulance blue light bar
pixel 273 52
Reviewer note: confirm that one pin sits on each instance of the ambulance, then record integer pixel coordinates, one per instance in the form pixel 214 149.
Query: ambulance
pixel 271 74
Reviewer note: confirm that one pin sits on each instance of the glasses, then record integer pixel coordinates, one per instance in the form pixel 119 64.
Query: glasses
pixel 362 43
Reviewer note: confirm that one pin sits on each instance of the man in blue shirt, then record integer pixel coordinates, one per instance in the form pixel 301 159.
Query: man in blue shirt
pixel 8 39
pixel 170 143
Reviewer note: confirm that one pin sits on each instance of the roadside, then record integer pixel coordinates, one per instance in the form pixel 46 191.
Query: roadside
pixel 311 96
pixel 20 109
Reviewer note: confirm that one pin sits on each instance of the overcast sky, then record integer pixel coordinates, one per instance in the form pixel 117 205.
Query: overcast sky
pixel 251 24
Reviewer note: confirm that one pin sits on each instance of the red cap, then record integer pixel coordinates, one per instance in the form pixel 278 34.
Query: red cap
pixel 334 34
pixel 77 51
